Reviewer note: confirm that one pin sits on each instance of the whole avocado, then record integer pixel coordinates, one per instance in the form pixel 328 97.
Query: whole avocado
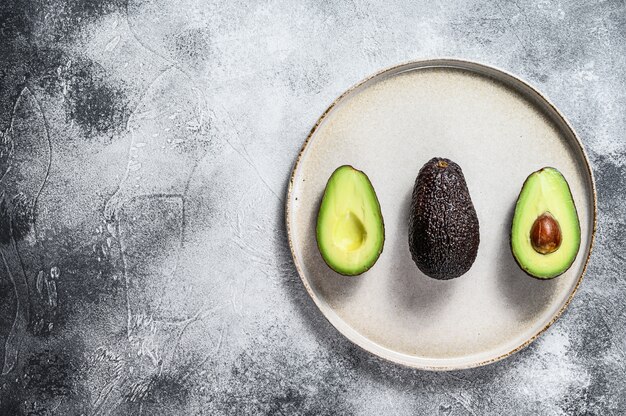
pixel 443 226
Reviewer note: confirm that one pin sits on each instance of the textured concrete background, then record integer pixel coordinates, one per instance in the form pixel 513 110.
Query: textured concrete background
pixel 144 157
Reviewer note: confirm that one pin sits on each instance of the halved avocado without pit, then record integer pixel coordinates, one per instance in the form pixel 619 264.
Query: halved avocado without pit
pixel 545 233
pixel 350 230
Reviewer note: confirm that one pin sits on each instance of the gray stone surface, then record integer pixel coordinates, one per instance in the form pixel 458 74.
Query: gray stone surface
pixel 145 154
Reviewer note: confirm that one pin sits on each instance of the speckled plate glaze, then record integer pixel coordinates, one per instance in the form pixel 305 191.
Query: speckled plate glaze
pixel 499 130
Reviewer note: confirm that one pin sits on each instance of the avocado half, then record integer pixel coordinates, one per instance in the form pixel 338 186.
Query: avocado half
pixel 350 229
pixel 444 232
pixel 545 232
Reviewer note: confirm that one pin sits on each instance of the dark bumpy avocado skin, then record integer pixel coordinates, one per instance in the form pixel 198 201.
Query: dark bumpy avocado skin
pixel 443 226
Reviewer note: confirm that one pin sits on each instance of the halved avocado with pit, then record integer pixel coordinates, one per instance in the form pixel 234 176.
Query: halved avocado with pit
pixel 350 230
pixel 545 234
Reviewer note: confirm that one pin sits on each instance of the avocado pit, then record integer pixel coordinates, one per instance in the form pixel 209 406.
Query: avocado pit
pixel 545 234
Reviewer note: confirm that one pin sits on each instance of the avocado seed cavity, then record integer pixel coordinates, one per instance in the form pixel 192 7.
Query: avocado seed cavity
pixel 349 233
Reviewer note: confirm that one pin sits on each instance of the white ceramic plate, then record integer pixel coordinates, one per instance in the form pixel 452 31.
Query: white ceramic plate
pixel 499 130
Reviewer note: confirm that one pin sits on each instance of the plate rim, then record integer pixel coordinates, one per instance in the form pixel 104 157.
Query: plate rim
pixel 464 64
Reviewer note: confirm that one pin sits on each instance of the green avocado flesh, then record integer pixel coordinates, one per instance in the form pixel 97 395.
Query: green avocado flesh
pixel 350 229
pixel 545 191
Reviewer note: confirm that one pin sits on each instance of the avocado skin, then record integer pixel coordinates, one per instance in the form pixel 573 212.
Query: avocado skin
pixel 443 226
